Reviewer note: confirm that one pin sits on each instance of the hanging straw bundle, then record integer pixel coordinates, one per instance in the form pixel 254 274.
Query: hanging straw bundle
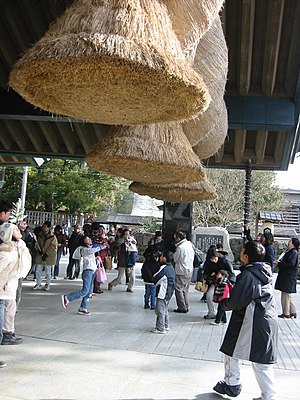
pixel 190 20
pixel 215 137
pixel 177 193
pixel 113 62
pixel 157 153
pixel 212 60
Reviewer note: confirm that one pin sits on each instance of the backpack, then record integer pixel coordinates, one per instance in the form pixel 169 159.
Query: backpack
pixel 197 258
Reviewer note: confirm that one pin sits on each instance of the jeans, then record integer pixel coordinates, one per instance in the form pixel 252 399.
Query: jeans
pixel 58 257
pixel 150 292
pixel 38 274
pixel 2 302
pixel 87 289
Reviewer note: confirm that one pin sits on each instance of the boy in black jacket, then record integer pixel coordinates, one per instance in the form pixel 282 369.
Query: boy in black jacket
pixel 164 280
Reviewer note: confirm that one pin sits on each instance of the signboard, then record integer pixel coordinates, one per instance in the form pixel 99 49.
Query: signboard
pixel 204 241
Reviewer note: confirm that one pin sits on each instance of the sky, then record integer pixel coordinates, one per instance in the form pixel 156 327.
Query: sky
pixel 290 179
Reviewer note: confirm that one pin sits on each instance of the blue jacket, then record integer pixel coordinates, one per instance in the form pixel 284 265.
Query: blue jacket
pixel 164 280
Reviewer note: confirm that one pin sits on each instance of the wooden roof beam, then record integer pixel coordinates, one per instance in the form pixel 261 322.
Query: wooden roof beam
pixel 260 146
pixel 50 136
pixel 33 135
pixel 85 137
pixel 246 45
pixel 239 144
pixel 272 45
pixel 16 133
pixel 66 135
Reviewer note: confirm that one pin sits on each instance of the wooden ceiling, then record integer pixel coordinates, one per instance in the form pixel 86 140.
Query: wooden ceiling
pixel 262 92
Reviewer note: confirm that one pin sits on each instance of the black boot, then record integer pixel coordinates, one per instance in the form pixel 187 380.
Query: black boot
pixel 10 338
pixel 146 305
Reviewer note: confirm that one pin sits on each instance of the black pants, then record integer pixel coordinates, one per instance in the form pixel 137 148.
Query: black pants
pixel 71 273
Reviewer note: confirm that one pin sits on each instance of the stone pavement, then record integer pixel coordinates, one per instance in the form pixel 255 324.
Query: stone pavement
pixel 112 353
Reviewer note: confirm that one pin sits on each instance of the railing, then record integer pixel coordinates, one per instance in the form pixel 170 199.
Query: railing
pixel 37 218
pixel 291 219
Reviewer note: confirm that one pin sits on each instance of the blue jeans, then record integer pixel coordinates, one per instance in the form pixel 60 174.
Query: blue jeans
pixel 2 302
pixel 87 289
pixel 38 274
pixel 150 292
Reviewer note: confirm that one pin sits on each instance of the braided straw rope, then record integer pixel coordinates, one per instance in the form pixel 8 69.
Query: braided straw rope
pixel 153 154
pixel 177 193
pixel 210 128
pixel 113 62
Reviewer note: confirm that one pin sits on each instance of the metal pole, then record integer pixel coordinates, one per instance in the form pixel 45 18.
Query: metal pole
pixel 247 201
pixel 23 192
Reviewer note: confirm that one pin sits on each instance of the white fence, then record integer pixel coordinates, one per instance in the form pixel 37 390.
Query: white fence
pixel 37 218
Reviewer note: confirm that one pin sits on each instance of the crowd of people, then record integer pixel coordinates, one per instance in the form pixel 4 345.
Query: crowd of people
pixel 252 330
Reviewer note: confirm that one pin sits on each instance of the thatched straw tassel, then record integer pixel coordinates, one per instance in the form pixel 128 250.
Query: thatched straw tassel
pixel 191 19
pixel 212 60
pixel 157 153
pixel 115 62
pixel 216 136
pixel 177 193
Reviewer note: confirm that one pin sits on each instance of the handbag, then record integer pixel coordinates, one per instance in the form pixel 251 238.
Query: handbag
pixel 201 286
pixel 100 275
pixel 107 262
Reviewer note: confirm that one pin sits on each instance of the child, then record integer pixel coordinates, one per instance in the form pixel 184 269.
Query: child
pixel 87 252
pixel 149 268
pixel 15 262
pixel 164 280
pixel 222 289
pixel 252 332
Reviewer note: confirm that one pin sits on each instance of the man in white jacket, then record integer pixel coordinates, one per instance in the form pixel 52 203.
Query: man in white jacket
pixel 15 262
pixel 183 258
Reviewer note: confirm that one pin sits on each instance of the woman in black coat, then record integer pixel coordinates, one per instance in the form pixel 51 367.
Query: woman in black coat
pixel 287 278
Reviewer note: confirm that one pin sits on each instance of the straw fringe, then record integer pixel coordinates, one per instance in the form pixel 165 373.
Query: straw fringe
pixel 114 62
pixel 191 19
pixel 157 153
pixel 212 60
pixel 215 137
pixel 181 193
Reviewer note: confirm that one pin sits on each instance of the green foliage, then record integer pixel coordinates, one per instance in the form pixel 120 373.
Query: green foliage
pixel 229 207
pixel 70 186
pixel 150 226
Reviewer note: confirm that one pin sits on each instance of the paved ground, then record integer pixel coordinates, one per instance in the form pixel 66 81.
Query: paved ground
pixel 112 354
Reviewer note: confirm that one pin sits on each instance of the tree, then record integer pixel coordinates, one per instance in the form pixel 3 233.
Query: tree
pixel 230 186
pixel 70 186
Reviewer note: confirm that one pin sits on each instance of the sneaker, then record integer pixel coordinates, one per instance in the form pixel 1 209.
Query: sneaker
pixel 64 301
pixel 231 390
pixel 167 329
pixel 82 311
pixel 209 316
pixel 47 288
pixel 55 277
pixel 2 364
pixel 178 310
pixel 215 323
pixel 158 331
pixel 109 287
pixel 129 290
pixel 37 287
pixel 10 339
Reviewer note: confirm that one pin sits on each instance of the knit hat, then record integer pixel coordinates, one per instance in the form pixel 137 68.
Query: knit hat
pixel 6 232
